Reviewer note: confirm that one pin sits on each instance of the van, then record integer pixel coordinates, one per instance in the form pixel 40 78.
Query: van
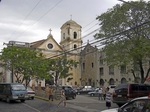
pixel 125 92
pixel 13 91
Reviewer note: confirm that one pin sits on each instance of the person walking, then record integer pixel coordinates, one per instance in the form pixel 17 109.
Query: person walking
pixel 103 92
pixel 51 93
pixel 63 98
pixel 108 98
pixel 100 97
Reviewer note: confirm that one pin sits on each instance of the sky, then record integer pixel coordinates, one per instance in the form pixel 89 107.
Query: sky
pixel 31 20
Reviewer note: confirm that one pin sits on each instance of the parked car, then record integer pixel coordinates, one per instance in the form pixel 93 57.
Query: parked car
pixel 125 92
pixel 12 91
pixel 85 90
pixel 31 93
pixel 94 93
pixel 69 92
pixel 141 104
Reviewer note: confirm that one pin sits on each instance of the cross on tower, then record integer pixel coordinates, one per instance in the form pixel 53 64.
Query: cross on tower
pixel 50 30
pixel 71 16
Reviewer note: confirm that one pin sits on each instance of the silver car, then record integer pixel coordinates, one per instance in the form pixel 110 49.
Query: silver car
pixel 94 93
pixel 141 104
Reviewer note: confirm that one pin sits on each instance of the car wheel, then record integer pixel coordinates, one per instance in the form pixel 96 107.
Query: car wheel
pixel 32 98
pixel 92 94
pixel 73 97
pixel 119 104
pixel 22 100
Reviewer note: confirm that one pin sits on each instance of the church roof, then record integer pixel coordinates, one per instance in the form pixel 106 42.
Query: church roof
pixel 71 22
pixel 37 43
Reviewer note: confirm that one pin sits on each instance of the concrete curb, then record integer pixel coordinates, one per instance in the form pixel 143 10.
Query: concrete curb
pixel 55 102
pixel 42 98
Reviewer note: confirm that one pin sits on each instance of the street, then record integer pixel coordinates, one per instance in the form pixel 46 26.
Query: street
pixel 80 104
pixel 88 104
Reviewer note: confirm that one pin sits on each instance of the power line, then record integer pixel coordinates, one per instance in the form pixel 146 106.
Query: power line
pixel 103 39
pixel 43 16
pixel 27 16
pixel 85 35
pixel 89 23
pixel 91 27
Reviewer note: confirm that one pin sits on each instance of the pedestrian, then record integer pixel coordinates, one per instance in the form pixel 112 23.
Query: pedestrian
pixel 100 96
pixel 103 92
pixel 108 98
pixel 63 98
pixel 51 93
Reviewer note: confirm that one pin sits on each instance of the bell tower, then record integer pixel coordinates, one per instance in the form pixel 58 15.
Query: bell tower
pixel 71 36
pixel 71 42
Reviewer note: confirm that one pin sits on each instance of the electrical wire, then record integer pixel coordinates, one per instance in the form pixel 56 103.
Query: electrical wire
pixel 41 17
pixel 27 16
pixel 103 39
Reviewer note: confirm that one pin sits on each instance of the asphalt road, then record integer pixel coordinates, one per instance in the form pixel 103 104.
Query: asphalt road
pixel 89 104
pixel 80 104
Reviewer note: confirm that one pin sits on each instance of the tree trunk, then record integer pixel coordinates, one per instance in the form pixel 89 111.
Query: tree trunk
pixel 141 71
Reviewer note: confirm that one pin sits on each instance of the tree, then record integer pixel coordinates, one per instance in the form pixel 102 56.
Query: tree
pixel 23 63
pixel 125 30
pixel 61 66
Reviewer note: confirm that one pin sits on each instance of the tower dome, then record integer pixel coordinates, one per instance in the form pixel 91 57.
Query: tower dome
pixel 71 36
pixel 71 23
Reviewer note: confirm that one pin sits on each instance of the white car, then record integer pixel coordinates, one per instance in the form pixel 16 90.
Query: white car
pixel 31 93
pixel 141 104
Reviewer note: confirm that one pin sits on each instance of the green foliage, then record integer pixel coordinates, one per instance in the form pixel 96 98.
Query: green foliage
pixel 61 66
pixel 126 29
pixel 26 63
pixel 23 62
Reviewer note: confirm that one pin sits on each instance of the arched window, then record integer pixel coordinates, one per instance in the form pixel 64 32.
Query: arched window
pixel 111 81
pixel 123 80
pixel 101 82
pixel 75 46
pixel 63 35
pixel 75 35
pixel 68 31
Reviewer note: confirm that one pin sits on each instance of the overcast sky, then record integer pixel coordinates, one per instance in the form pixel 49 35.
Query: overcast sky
pixel 30 20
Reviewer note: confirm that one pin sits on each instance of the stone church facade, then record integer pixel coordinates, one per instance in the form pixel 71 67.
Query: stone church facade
pixel 70 41
pixel 91 70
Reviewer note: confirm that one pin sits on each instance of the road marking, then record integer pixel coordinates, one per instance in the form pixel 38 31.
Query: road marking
pixel 32 107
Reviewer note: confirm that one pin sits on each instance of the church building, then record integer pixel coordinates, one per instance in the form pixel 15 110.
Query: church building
pixel 69 44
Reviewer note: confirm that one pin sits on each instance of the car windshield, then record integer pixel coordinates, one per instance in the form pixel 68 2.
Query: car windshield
pixel 18 87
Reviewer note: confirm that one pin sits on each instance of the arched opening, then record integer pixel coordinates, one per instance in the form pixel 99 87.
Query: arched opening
pixel 75 35
pixel 63 35
pixel 101 82
pixel 75 83
pixel 111 81
pixel 123 80
pixel 90 81
pixel 75 46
